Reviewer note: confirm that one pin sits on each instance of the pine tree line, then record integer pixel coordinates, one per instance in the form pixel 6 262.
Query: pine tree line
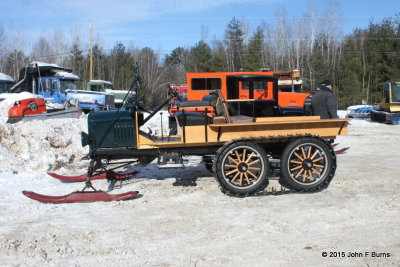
pixel 358 63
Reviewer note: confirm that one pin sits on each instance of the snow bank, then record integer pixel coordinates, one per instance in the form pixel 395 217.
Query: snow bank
pixel 49 145
pixel 342 114
pixel 37 145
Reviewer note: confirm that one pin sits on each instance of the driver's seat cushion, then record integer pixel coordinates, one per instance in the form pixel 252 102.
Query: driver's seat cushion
pixel 207 100
pixel 192 118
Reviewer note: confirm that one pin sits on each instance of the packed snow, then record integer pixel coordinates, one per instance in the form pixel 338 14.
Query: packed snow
pixel 67 75
pixel 195 225
pixel 42 64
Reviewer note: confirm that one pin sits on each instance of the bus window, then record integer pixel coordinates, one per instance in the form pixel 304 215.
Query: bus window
pixel 206 83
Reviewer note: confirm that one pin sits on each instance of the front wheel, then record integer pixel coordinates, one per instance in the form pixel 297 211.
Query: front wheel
pixel 242 168
pixel 308 164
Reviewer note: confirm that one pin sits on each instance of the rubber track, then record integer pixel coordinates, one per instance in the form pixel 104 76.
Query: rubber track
pixel 327 181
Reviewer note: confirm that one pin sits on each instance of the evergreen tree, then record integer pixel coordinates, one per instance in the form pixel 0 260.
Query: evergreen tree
pixel 78 63
pixel 253 58
pixel 124 67
pixel 234 41
pixel 201 58
pixel 176 57
pixel 319 65
pixel 349 74
pixel 381 44
pixel 219 59
pixel 175 65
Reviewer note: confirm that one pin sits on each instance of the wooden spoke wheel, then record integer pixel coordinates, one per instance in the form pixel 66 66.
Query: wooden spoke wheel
pixel 242 168
pixel 308 164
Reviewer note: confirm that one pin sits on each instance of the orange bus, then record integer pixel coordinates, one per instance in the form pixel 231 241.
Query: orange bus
pixel 235 87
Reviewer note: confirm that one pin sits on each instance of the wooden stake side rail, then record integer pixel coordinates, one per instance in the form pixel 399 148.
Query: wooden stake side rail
pixel 220 133
pixel 280 119
pixel 271 121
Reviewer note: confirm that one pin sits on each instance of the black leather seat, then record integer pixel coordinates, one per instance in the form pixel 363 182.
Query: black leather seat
pixel 207 100
pixel 191 118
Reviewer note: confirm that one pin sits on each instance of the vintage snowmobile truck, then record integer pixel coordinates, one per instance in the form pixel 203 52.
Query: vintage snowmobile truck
pixel 241 151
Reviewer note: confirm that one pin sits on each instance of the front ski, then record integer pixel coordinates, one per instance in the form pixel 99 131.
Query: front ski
pixel 97 176
pixel 81 196
pixel 341 151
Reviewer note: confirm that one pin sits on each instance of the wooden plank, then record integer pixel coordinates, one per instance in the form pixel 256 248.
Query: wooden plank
pixel 297 118
pixel 196 107
pixel 195 134
pixel 224 106
pixel 219 119
pixel 282 122
pixel 242 100
pixel 328 133
pixel 145 143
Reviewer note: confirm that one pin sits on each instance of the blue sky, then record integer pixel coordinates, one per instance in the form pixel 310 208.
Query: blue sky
pixel 167 24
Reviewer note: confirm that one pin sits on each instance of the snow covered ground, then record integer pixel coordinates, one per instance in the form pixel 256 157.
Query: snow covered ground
pixel 171 225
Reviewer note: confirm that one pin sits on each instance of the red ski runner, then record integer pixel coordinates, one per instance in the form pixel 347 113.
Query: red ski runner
pixel 97 176
pixel 341 151
pixel 81 196
pixel 91 195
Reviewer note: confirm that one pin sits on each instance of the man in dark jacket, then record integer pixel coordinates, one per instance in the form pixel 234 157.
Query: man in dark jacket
pixel 307 101
pixel 323 102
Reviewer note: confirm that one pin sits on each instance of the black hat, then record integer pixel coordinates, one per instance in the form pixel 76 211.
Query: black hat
pixel 326 82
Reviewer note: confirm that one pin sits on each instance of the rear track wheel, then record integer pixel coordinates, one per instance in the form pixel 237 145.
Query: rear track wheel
pixel 307 165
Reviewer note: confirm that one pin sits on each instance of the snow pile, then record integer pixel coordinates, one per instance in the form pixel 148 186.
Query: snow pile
pixel 41 145
pixel 342 114
pixel 53 144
